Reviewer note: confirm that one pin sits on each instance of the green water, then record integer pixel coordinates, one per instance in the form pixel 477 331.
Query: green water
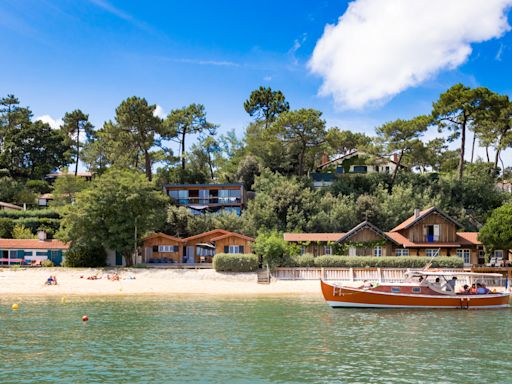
pixel 159 340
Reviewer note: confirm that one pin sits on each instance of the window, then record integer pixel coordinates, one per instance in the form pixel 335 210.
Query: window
pixel 416 289
pixel 465 254
pixel 327 250
pixel 387 169
pixel 377 251
pixel 402 252
pixel 167 248
pixel 498 254
pixel 302 250
pixel 431 252
pixel 234 249
pixel 431 233
pixel 360 168
pixel 352 251
pixel 395 289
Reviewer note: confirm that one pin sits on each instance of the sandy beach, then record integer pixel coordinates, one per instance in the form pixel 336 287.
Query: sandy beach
pixel 134 281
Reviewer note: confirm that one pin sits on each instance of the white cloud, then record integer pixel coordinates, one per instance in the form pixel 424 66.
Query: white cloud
pixel 380 48
pixel 159 112
pixel 54 123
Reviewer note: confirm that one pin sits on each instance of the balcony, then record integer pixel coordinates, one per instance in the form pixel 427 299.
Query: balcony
pixel 208 201
pixel 431 238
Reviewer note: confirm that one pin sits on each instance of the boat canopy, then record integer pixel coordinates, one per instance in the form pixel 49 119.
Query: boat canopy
pixel 445 273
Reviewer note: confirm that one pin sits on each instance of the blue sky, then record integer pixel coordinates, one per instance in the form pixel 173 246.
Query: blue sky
pixel 91 54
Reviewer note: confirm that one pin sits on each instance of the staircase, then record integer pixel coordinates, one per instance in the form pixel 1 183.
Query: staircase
pixel 264 276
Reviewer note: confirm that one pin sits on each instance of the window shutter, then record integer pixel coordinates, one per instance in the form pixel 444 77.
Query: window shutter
pixel 226 249
pixel 241 249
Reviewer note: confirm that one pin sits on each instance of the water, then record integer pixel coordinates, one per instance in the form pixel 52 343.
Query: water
pixel 284 340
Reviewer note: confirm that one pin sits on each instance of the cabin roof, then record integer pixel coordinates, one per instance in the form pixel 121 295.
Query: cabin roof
pixel 32 244
pixel 312 236
pixel 165 236
pixel 468 238
pixel 354 153
pixel 363 225
pixel 414 219
pixel 233 234
pixel 219 231
pixel 9 205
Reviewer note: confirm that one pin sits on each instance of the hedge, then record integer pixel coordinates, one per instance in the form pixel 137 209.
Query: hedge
pixel 34 213
pixel 50 225
pixel 235 262
pixel 85 255
pixel 378 262
pixel 305 261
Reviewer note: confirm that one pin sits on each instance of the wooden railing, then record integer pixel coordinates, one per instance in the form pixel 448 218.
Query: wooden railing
pixel 346 274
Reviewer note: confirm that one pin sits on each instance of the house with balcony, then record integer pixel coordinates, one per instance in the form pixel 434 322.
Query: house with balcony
pixel 204 198
pixel 354 162
pixel 429 232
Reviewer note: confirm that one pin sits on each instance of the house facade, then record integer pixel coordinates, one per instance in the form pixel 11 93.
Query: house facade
pixel 28 251
pixel 200 248
pixel 203 198
pixel 351 163
pixel 430 233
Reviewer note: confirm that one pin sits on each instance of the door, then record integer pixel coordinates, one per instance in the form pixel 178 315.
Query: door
pixel 436 232
pixel 119 258
pixel 190 255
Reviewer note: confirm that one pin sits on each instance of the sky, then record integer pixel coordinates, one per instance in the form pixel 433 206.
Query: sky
pixel 361 63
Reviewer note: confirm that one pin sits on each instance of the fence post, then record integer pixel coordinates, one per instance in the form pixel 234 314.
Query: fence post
pixel 379 273
pixel 351 271
pixel 322 273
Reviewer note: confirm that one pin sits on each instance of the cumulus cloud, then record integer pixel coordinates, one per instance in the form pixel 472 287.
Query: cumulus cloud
pixel 159 112
pixel 379 48
pixel 54 123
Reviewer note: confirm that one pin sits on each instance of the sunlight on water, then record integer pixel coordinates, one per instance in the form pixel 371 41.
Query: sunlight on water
pixel 156 340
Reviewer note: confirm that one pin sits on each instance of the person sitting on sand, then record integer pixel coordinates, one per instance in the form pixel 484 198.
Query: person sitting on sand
pixel 114 277
pixel 54 278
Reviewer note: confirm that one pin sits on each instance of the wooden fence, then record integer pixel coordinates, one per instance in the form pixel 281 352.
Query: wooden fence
pixel 385 275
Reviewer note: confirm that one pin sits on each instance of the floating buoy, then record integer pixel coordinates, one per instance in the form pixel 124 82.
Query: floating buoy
pixel 15 307
pixel 85 318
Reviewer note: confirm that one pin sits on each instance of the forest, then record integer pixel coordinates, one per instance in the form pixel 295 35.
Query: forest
pixel 132 157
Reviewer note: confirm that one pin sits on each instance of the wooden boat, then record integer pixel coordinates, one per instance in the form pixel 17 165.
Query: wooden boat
pixel 420 290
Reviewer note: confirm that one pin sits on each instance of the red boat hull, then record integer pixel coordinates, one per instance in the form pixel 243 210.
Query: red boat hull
pixel 341 296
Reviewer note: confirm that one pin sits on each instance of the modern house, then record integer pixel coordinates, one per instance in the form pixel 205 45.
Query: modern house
pixel 29 251
pixel 430 232
pixel 9 207
pixel 44 200
pixel 203 198
pixel 200 248
pixel 355 162
pixel 51 177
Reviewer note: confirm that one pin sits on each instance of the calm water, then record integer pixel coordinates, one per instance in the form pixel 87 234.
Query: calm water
pixel 155 340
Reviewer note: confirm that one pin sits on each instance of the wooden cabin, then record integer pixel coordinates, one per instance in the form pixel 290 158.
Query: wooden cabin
pixel 201 248
pixel 366 239
pixel 316 244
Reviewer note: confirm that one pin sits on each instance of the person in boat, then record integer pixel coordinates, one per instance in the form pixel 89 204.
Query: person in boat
pixel 367 285
pixel 437 283
pixel 450 284
pixel 473 289
pixel 465 290
pixel 481 289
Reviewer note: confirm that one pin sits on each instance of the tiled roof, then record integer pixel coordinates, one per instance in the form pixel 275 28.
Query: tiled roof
pixel 400 239
pixel 468 238
pixel 312 236
pixel 32 244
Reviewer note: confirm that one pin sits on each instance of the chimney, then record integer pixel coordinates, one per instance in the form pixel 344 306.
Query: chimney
pixel 416 213
pixel 395 157
pixel 325 158
pixel 41 235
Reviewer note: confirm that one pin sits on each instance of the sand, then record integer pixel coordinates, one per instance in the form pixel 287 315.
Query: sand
pixel 135 281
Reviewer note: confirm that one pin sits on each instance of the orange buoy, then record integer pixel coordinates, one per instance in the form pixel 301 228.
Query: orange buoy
pixel 85 318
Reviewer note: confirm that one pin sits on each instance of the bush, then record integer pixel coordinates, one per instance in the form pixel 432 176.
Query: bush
pixel 47 263
pixel 6 227
pixel 304 261
pixel 387 262
pixel 272 248
pixel 85 255
pixel 235 262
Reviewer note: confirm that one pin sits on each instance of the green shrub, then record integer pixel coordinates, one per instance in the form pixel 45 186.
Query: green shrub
pixel 387 262
pixel 235 262
pixel 272 248
pixel 47 263
pixel 305 261
pixel 85 255
pixel 6 227
pixel 40 213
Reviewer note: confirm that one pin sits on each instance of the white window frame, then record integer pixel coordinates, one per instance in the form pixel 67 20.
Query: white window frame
pixel 377 251
pixel 234 249
pixel 465 253
pixel 327 250
pixel 402 252
pixel 432 252
pixel 352 251
pixel 167 248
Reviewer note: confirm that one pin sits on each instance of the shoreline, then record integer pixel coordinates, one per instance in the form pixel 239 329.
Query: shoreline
pixel 148 282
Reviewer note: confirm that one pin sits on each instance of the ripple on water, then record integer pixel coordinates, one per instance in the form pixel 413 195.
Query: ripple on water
pixel 154 340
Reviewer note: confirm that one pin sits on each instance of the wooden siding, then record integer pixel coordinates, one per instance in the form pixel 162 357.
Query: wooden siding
pixel 157 241
pixel 363 235
pixel 232 240
pixel 447 230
